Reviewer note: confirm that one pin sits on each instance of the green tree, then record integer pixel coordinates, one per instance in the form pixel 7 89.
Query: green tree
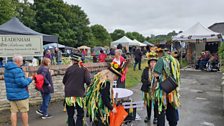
pixel 135 35
pixel 129 35
pixel 7 10
pixel 138 36
pixel 101 35
pixel 69 22
pixel 26 13
pixel 117 34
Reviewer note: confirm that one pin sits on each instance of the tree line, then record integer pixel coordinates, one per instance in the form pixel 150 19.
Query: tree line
pixel 69 22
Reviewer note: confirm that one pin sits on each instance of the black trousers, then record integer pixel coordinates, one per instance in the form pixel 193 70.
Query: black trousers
pixel 120 84
pixel 149 110
pixel 139 64
pixel 171 114
pixel 99 122
pixel 71 112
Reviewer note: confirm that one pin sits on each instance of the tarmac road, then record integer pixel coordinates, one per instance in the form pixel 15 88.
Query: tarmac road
pixel 201 100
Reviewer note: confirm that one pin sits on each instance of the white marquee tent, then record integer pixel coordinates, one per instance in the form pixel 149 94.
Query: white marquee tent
pixel 196 37
pixel 140 44
pixel 125 41
pixel 197 33
pixel 148 43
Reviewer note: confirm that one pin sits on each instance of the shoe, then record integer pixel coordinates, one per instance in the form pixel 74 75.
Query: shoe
pixel 39 112
pixel 146 119
pixel 46 116
pixel 64 110
pixel 155 121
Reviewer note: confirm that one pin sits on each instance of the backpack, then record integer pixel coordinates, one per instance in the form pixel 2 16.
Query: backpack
pixel 39 82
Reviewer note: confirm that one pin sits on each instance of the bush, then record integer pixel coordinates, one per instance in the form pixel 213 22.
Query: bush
pixel 221 51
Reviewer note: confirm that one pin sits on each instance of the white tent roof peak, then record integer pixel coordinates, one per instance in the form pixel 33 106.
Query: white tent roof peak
pixel 198 29
pixel 124 41
pixel 140 44
pixel 197 32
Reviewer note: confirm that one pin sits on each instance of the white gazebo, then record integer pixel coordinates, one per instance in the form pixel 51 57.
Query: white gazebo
pixel 197 38
pixel 124 41
pixel 197 33
pixel 148 43
pixel 139 43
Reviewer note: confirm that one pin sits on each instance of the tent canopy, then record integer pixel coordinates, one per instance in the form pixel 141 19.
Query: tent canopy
pixel 54 45
pixel 148 43
pixel 15 26
pixel 197 32
pixel 139 43
pixel 124 41
pixel 84 47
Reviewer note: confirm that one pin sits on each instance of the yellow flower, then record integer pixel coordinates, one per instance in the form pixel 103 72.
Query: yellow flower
pixel 116 66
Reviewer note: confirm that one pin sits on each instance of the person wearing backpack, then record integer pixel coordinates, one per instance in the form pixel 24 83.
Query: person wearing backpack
pixel 47 88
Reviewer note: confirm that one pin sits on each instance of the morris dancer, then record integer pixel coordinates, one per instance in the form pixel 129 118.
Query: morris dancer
pixel 147 79
pixel 75 78
pixel 118 59
pixel 99 97
pixel 167 103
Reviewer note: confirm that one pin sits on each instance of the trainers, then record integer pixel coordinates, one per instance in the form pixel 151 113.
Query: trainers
pixel 146 119
pixel 39 112
pixel 46 116
pixel 155 121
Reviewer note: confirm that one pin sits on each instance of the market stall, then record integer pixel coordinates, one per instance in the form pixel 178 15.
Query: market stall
pixel 198 38
pixel 86 49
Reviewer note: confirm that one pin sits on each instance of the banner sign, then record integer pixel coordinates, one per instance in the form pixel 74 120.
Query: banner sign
pixel 25 45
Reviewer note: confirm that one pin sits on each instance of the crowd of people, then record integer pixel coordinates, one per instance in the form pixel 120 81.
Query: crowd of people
pixel 96 94
pixel 206 58
pixel 54 55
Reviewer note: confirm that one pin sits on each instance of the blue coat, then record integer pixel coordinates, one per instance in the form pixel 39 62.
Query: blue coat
pixel 15 82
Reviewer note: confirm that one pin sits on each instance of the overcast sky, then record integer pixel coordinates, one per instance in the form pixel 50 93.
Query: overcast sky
pixel 152 16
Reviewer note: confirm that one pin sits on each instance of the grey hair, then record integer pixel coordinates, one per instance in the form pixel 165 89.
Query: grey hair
pixel 118 50
pixel 17 58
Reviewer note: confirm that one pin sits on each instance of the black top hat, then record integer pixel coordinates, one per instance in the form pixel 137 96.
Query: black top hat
pixel 76 57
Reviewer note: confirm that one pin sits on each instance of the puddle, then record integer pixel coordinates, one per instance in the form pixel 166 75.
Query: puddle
pixel 200 98
pixel 207 124
pixel 196 91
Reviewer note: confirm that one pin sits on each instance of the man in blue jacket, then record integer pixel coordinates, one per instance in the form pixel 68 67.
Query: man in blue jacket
pixel 17 89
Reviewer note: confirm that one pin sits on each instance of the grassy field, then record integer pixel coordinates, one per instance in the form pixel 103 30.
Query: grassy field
pixel 133 78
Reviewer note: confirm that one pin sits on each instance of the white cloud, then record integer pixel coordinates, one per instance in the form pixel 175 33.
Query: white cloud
pixel 151 16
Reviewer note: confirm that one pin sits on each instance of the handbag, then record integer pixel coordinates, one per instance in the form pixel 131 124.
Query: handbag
pixel 169 84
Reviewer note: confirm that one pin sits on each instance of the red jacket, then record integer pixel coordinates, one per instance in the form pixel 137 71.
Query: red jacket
pixel 39 80
pixel 123 76
pixel 102 57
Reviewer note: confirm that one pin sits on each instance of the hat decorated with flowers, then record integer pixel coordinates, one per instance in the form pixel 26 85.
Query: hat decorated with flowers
pixel 152 56
pixel 153 49
pixel 117 68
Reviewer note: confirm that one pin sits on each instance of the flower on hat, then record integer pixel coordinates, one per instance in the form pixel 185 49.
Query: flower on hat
pixel 116 66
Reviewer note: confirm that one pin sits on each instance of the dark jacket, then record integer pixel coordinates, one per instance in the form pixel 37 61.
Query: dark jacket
pixel 105 95
pixel 138 55
pixel 145 80
pixel 16 83
pixel 48 86
pixel 74 80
